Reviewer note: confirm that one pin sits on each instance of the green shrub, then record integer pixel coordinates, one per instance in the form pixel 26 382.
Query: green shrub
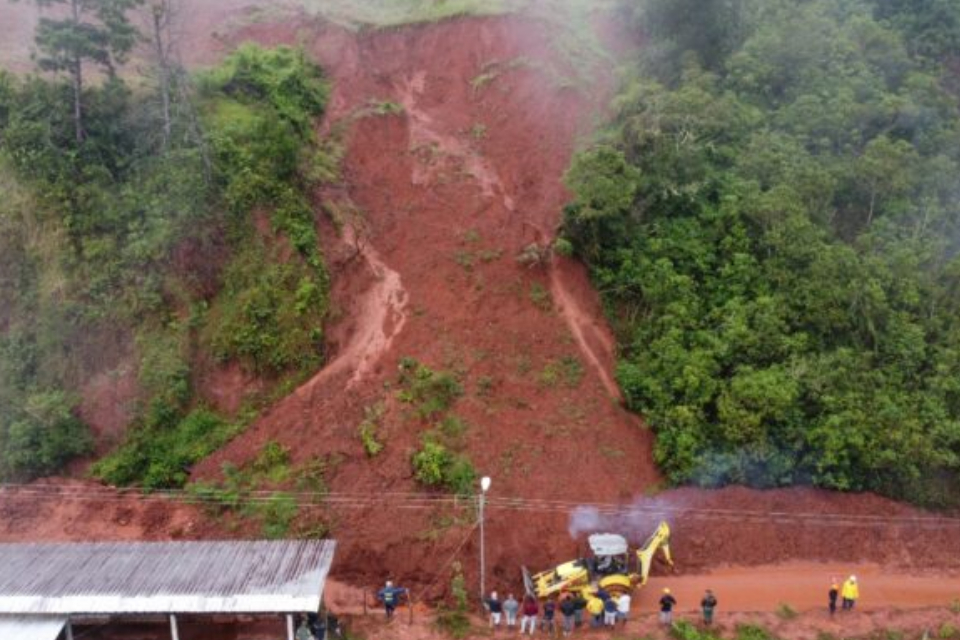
pixel 453 620
pixel 567 370
pixel 42 437
pixel 436 466
pixel 431 392
pixel 753 632
pixel 159 457
pixel 369 428
pixel 785 612
pixel 947 630
pixel 292 85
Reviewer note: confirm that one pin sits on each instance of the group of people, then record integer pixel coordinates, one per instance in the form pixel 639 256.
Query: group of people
pixel 849 593
pixel 604 608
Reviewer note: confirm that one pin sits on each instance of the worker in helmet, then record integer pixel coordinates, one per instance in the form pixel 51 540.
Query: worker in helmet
pixel 850 593
pixel 667 603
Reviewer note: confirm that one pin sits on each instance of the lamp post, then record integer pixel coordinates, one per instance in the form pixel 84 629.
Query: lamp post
pixel 484 487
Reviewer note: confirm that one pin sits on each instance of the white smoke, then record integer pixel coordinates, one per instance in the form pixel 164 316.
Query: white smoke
pixel 635 521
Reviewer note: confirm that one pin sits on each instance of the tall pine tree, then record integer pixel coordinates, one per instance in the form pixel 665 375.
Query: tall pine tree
pixel 87 31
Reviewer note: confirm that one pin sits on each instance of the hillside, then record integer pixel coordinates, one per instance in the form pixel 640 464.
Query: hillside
pixel 453 334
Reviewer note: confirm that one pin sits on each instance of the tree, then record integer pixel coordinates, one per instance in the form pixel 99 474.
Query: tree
pixel 96 31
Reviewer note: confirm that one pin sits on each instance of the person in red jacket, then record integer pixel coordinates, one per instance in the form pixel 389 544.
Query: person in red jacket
pixel 529 609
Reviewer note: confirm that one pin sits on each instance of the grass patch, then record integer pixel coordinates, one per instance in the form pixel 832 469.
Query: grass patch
pixel 567 371
pixel 785 612
pixel 395 13
pixel 379 108
pixel 369 429
pixel 252 493
pixel 540 297
pixel 430 392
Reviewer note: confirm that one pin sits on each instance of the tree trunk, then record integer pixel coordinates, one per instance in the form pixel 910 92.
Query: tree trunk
pixel 77 73
pixel 161 13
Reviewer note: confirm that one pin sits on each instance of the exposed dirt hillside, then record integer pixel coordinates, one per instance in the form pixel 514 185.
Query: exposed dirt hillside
pixel 445 193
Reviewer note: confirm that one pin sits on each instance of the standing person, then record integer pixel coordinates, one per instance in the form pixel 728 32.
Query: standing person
pixel 568 609
pixel 303 631
pixel 579 604
pixel 390 597
pixel 708 604
pixel 510 607
pixel 530 609
pixel 595 609
pixel 623 608
pixel 549 614
pixel 832 597
pixel 609 612
pixel 495 607
pixel 850 593
pixel 667 603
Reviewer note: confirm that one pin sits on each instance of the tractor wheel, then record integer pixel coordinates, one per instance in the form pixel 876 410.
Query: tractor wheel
pixel 617 585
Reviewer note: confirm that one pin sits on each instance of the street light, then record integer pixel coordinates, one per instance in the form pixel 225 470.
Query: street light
pixel 484 487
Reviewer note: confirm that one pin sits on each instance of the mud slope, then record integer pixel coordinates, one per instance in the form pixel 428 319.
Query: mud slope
pixel 439 201
pixel 450 191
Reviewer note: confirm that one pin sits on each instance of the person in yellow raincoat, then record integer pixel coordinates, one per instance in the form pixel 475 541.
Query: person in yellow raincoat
pixel 850 593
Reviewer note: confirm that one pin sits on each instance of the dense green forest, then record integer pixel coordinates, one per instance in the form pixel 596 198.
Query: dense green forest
pixel 773 219
pixel 161 220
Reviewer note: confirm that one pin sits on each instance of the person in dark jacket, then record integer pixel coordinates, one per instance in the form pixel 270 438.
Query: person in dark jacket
pixel 549 615
pixel 609 612
pixel 579 604
pixel 568 609
pixel 707 605
pixel 390 597
pixel 667 603
pixel 832 597
pixel 495 607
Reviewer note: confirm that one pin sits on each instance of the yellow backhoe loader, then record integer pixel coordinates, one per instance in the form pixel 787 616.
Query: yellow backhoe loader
pixel 607 569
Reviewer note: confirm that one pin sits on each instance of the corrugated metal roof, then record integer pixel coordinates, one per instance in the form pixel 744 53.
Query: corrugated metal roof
pixel 31 627
pixel 164 577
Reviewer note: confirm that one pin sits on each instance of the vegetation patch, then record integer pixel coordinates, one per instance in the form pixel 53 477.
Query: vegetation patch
pixel 369 429
pixel 777 260
pixel 567 371
pixel 430 392
pixel 142 233
pixel 253 493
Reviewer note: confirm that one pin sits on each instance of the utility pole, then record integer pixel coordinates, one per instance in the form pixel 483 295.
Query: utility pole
pixel 484 487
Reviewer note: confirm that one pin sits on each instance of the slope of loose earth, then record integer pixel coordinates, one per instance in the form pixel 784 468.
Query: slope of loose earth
pixel 444 194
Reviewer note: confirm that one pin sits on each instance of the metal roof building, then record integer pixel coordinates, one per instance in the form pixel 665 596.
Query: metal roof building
pixel 50 582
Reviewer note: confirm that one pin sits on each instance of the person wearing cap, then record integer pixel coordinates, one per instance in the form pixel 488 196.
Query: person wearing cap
pixel 832 597
pixel 707 605
pixel 667 603
pixel 850 593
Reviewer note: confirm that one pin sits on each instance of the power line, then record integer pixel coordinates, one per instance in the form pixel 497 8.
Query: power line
pixel 418 501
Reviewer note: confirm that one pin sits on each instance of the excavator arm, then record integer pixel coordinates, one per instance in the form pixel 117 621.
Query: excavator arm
pixel 659 540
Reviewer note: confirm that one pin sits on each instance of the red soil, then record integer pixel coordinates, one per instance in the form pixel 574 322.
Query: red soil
pixel 451 192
